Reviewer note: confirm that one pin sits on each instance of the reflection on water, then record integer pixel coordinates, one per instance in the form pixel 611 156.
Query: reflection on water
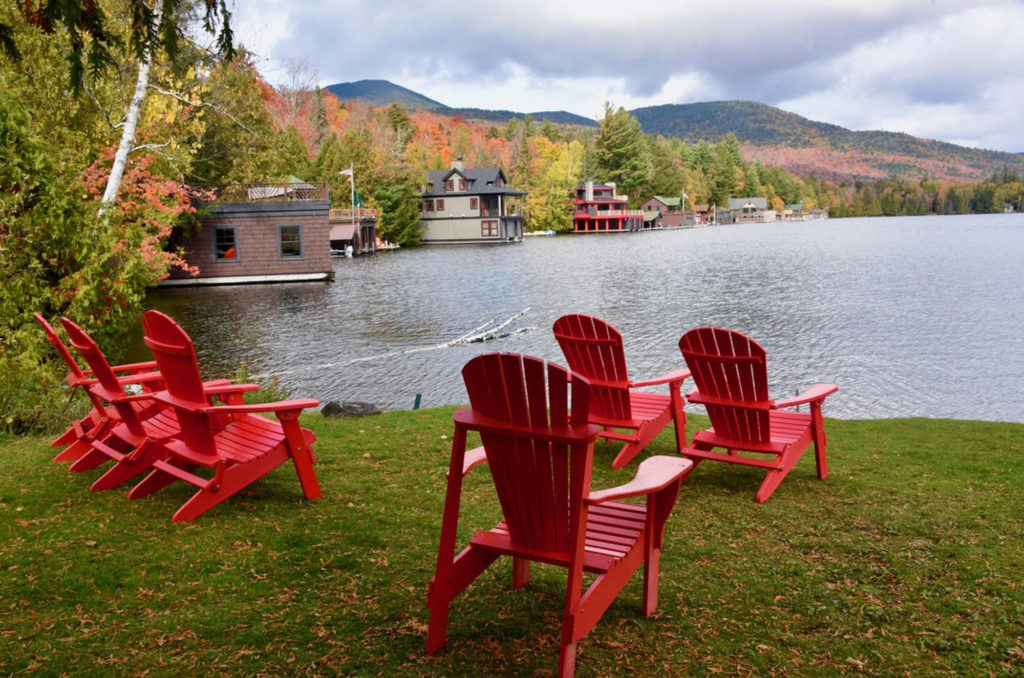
pixel 910 316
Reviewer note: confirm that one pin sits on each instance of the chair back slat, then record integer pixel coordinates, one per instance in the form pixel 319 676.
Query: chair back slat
pixel 729 366
pixel 540 484
pixel 76 375
pixel 175 356
pixel 594 349
pixel 112 391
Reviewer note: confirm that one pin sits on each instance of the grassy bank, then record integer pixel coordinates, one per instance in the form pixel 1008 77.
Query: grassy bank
pixel 907 560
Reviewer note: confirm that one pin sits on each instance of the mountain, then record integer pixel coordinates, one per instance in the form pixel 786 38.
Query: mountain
pixel 383 93
pixel 803 146
pixel 769 134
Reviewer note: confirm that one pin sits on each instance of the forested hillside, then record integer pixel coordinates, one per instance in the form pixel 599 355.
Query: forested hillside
pixel 768 134
pixel 826 151
pixel 383 93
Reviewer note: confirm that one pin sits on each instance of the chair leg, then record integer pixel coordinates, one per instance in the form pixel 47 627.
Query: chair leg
pixel 651 565
pixel 437 630
pixel 302 456
pixel 71 435
pixel 73 452
pixel 157 480
pixel 770 484
pixel 88 461
pixel 234 479
pixel 820 442
pixel 520 572
pixel 137 461
pixel 629 450
pixel 201 502
pixel 567 660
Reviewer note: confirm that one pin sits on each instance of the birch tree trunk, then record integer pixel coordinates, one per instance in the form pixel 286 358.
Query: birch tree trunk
pixel 131 121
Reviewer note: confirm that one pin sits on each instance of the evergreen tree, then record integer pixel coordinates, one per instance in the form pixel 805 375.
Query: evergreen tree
pixel 397 199
pixel 621 152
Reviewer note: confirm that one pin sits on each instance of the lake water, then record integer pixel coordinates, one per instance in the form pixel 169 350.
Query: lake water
pixel 910 316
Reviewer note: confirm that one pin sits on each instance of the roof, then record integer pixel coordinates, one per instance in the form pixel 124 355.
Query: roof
pixel 670 202
pixel 343 231
pixel 479 182
pixel 738 203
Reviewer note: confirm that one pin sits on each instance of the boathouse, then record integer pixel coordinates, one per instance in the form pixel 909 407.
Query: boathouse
pixel 463 205
pixel 259 233
pixel 746 211
pixel 596 209
pixel 354 228
pixel 671 212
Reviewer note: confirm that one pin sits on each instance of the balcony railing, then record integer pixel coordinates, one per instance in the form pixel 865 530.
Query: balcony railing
pixel 271 192
pixel 345 214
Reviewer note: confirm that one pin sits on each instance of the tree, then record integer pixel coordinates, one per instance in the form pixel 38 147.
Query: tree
pixel 235 141
pixel 549 203
pixel 621 151
pixel 151 29
pixel 666 177
pixel 93 37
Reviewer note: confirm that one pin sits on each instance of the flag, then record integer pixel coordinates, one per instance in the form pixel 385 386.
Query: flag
pixel 348 171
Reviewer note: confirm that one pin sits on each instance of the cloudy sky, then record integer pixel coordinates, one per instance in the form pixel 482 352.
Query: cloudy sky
pixel 941 69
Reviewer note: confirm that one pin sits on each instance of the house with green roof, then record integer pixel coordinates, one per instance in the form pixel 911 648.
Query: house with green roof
pixel 665 212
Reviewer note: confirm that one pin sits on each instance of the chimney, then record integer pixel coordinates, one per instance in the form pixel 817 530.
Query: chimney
pixel 457 164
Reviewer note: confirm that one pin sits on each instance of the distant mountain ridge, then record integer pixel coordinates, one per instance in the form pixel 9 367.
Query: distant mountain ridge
pixel 775 137
pixel 383 93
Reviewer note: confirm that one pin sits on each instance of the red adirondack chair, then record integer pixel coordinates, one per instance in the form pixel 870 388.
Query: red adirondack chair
pixel 594 349
pixel 238 447
pixel 138 423
pixel 540 454
pixel 731 374
pixel 77 439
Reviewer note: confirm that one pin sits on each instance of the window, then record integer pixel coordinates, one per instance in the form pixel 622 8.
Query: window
pixel 430 205
pixel 440 205
pixel 449 185
pixel 489 228
pixel 290 238
pixel 462 184
pixel 473 204
pixel 225 245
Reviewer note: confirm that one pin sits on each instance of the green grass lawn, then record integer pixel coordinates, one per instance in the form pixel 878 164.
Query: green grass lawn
pixel 907 561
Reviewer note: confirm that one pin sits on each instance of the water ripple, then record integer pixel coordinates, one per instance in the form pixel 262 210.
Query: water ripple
pixel 910 316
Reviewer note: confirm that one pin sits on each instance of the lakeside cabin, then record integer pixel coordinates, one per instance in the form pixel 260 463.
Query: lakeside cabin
pixel 259 233
pixel 667 212
pixel 753 210
pixel 462 206
pixel 596 209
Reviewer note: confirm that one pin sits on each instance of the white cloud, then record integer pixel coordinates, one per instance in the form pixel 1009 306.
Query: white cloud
pixel 957 78
pixel 940 68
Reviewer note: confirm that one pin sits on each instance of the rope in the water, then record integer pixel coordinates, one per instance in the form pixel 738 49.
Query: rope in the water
pixel 478 334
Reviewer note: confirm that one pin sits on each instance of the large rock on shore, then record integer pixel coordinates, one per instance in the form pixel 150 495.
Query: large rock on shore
pixel 336 409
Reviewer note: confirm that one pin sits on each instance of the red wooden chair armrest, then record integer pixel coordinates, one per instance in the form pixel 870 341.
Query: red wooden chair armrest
pixel 816 392
pixel 669 378
pixel 222 386
pixel 281 406
pixel 473 421
pixel 139 378
pixel 472 459
pixel 148 366
pixel 653 474
pixel 698 398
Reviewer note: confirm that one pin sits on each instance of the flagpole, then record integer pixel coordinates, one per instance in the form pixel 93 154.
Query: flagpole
pixel 352 183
